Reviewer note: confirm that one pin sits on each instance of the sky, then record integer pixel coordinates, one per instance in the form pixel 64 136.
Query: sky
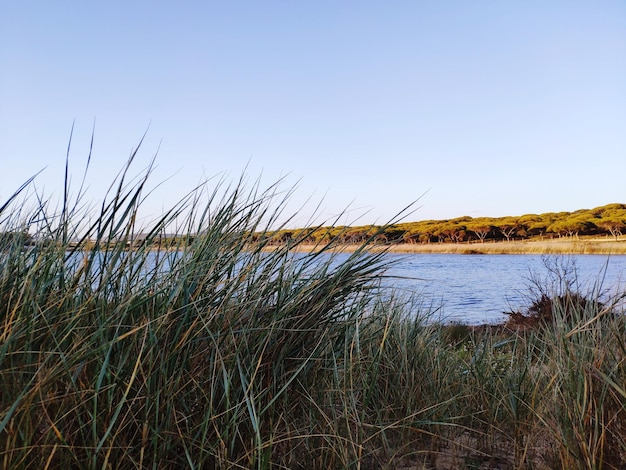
pixel 481 108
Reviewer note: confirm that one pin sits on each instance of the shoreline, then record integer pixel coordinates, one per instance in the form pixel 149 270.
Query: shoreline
pixel 543 247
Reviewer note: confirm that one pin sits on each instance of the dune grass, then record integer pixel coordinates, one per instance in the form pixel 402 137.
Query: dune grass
pixel 221 354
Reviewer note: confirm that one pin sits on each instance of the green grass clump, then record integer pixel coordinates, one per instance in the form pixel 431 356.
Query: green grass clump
pixel 225 351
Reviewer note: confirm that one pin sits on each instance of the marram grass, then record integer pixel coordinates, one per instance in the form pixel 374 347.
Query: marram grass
pixel 117 352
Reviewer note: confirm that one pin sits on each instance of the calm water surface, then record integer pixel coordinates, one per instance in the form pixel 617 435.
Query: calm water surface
pixel 477 289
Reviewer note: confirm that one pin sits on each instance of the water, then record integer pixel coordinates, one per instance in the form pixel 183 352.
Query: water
pixel 476 289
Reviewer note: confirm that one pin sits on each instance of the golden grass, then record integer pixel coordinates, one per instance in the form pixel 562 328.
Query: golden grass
pixel 601 246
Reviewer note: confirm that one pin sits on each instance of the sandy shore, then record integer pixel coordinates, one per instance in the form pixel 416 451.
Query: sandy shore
pixel 558 246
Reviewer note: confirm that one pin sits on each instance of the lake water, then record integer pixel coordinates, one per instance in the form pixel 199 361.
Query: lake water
pixel 476 289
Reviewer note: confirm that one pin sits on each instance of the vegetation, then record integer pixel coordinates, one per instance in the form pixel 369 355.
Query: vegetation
pixel 225 355
pixel 608 220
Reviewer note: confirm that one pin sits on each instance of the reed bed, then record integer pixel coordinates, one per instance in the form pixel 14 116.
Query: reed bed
pixel 220 353
pixel 561 246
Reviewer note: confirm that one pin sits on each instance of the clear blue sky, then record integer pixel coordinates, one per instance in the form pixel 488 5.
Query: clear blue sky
pixel 489 107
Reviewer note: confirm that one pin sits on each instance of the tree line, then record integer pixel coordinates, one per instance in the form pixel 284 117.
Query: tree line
pixel 607 220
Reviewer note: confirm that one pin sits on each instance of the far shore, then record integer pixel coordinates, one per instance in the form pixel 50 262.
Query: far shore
pixel 590 246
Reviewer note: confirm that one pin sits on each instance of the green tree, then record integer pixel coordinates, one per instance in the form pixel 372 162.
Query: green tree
pixel 412 236
pixel 394 234
pixel 570 227
pixel 532 225
pixel 614 225
pixel 452 232
pixel 508 226
pixel 481 230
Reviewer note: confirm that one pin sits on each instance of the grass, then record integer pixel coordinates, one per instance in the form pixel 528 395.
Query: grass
pixel 223 354
pixel 557 246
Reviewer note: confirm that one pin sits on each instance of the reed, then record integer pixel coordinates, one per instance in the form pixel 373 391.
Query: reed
pixel 221 353
pixel 557 246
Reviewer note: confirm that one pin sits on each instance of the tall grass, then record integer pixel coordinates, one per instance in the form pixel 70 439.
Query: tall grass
pixel 559 246
pixel 219 352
